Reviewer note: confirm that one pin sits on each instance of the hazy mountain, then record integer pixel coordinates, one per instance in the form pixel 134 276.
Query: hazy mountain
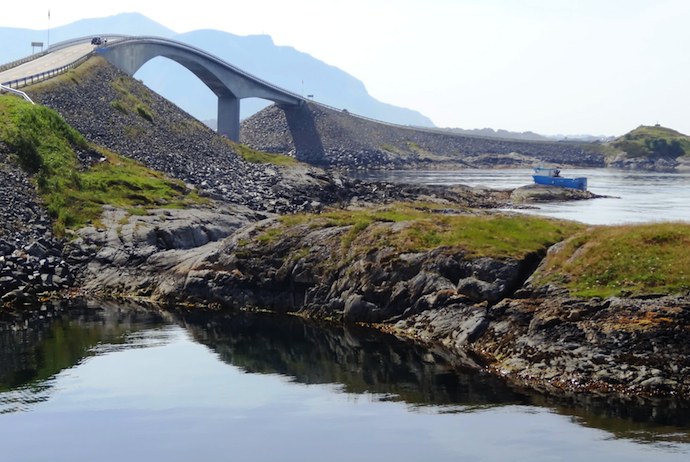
pixel 527 136
pixel 491 133
pixel 16 43
pixel 283 66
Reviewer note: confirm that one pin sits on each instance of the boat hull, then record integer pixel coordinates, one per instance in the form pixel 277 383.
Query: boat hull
pixel 575 183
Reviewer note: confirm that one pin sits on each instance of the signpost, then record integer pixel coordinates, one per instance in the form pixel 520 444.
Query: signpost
pixel 34 45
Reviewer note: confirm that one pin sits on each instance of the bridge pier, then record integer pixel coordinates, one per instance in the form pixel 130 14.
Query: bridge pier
pixel 229 117
pixel 228 82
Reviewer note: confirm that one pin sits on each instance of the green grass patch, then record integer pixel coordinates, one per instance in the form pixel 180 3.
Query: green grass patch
pixel 258 157
pixel 44 145
pixel 620 260
pixel 476 235
pixel 499 236
pixel 129 102
pixel 390 148
pixel 144 112
pixel 653 141
pixel 270 235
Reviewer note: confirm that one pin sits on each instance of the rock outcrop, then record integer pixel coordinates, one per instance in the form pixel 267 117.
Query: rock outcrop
pixel 318 272
pixel 535 193
pixel 131 255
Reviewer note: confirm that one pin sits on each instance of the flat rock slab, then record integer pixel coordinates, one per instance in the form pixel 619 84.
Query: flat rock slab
pixel 539 193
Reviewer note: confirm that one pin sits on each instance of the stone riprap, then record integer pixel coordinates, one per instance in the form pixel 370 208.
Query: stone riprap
pixel 31 259
pixel 324 136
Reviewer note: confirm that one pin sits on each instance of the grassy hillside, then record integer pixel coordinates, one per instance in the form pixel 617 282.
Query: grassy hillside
pixel 620 260
pixel 45 146
pixel 653 141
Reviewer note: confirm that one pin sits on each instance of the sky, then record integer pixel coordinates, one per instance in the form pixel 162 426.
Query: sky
pixel 600 67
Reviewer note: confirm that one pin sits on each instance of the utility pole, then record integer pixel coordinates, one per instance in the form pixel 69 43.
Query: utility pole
pixel 48 27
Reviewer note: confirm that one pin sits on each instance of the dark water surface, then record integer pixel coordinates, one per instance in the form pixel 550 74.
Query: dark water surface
pixel 116 383
pixel 636 196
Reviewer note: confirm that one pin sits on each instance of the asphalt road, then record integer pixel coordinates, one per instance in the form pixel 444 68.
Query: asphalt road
pixel 50 61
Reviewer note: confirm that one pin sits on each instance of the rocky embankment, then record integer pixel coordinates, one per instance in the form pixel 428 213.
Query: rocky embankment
pixel 119 113
pixel 485 310
pixel 549 341
pixel 651 164
pixel 31 259
pixel 332 138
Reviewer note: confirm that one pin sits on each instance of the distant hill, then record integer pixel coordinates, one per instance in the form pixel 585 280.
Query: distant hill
pixel 526 136
pixel 649 148
pixel 653 141
pixel 283 66
pixel 505 134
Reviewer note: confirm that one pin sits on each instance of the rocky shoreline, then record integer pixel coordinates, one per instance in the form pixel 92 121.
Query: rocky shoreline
pixel 484 312
pixel 246 248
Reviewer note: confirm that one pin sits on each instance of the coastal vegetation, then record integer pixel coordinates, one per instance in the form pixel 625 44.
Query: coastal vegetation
pixel 653 141
pixel 259 157
pixel 129 101
pixel 423 228
pixel 622 261
pixel 45 146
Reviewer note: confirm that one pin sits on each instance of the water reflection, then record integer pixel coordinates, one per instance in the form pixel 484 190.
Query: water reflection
pixel 366 361
pixel 35 365
pixel 361 360
pixel 32 353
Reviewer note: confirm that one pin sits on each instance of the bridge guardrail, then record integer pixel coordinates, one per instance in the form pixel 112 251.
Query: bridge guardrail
pixel 50 49
pixel 21 61
pixel 41 76
pixel 16 92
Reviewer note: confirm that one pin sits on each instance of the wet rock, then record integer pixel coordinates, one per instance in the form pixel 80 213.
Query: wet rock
pixel 358 309
pixel 618 345
pixel 540 193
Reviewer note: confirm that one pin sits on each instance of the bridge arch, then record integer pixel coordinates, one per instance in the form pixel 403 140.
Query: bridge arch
pixel 229 83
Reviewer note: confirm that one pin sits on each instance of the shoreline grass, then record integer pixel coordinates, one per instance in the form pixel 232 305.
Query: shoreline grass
pixel 494 235
pixel 623 260
pixel 44 145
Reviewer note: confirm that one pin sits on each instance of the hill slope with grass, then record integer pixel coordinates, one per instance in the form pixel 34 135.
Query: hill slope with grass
pixel 651 148
pixel 123 115
pixel 76 178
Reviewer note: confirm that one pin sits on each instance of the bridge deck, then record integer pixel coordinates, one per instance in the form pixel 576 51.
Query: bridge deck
pixel 54 60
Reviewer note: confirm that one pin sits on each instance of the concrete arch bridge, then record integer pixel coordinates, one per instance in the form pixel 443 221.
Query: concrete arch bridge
pixel 229 83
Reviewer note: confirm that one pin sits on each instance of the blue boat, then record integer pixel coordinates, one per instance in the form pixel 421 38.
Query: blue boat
pixel 552 177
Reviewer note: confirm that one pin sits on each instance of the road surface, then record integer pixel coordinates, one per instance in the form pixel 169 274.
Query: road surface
pixel 52 60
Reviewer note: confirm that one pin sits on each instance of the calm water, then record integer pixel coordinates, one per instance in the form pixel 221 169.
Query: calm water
pixel 638 197
pixel 120 384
